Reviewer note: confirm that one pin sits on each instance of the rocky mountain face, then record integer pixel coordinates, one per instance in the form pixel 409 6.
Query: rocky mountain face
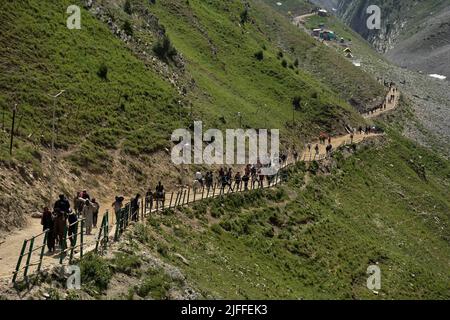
pixel 414 34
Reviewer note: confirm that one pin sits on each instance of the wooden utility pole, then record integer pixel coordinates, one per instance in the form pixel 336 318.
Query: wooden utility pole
pixel 52 155
pixel 12 129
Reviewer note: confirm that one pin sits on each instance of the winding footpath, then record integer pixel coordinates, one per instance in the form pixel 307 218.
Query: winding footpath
pixel 11 245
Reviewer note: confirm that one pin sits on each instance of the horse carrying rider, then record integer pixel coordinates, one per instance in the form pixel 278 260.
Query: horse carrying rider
pixel 60 210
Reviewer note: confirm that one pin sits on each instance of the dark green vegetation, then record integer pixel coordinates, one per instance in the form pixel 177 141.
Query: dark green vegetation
pixel 116 99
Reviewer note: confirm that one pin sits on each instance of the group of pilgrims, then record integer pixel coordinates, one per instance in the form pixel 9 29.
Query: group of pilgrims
pixel 226 179
pixel 389 99
pixel 62 216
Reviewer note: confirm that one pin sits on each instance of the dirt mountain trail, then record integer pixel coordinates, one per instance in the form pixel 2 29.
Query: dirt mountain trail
pixel 10 248
pixel 302 19
pixel 391 102
pixel 11 245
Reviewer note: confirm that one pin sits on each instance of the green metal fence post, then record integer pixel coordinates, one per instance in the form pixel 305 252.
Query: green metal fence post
pixel 74 242
pixel 177 199
pixel 30 252
pixel 81 238
pixel 100 234
pixel 19 261
pixel 170 202
pixel 42 250
pixel 116 232
pixel 105 232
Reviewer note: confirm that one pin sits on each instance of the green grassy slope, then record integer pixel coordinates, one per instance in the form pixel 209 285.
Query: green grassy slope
pixel 41 56
pixel 135 109
pixel 238 80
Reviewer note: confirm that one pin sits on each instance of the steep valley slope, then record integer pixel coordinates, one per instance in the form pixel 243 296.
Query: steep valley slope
pixel 133 74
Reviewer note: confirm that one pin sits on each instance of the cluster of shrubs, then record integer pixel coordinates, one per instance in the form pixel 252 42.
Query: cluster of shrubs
pixel 245 16
pixel 164 49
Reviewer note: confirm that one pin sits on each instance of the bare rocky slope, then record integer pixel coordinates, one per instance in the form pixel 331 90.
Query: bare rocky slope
pixel 414 34
pixel 414 37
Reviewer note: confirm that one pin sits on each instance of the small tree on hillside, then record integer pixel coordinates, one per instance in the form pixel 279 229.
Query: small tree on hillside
pixel 128 28
pixel 280 54
pixel 127 7
pixel 103 71
pixel 245 16
pixel 296 103
pixel 259 55
pixel 164 49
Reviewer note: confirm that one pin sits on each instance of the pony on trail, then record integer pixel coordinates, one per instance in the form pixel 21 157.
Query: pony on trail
pixel 197 186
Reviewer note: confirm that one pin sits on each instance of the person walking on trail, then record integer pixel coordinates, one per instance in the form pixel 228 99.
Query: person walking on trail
pixel 245 179
pixel 135 208
pixel 237 181
pixel 88 216
pixel 160 195
pixel 60 209
pixel 329 149
pixel 351 138
pixel 48 224
pixel 254 176
pixel 317 151
pixel 223 183
pixel 117 205
pixel 295 155
pixel 329 139
pixel 160 191
pixel 229 180
pixel 85 195
pixel 78 203
pixel 247 170
pixel 261 179
pixel 221 174
pixel 230 176
pixel 96 206
pixel 149 200
pixel 72 230
pixel 61 205
pixel 209 180
pixel 59 226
